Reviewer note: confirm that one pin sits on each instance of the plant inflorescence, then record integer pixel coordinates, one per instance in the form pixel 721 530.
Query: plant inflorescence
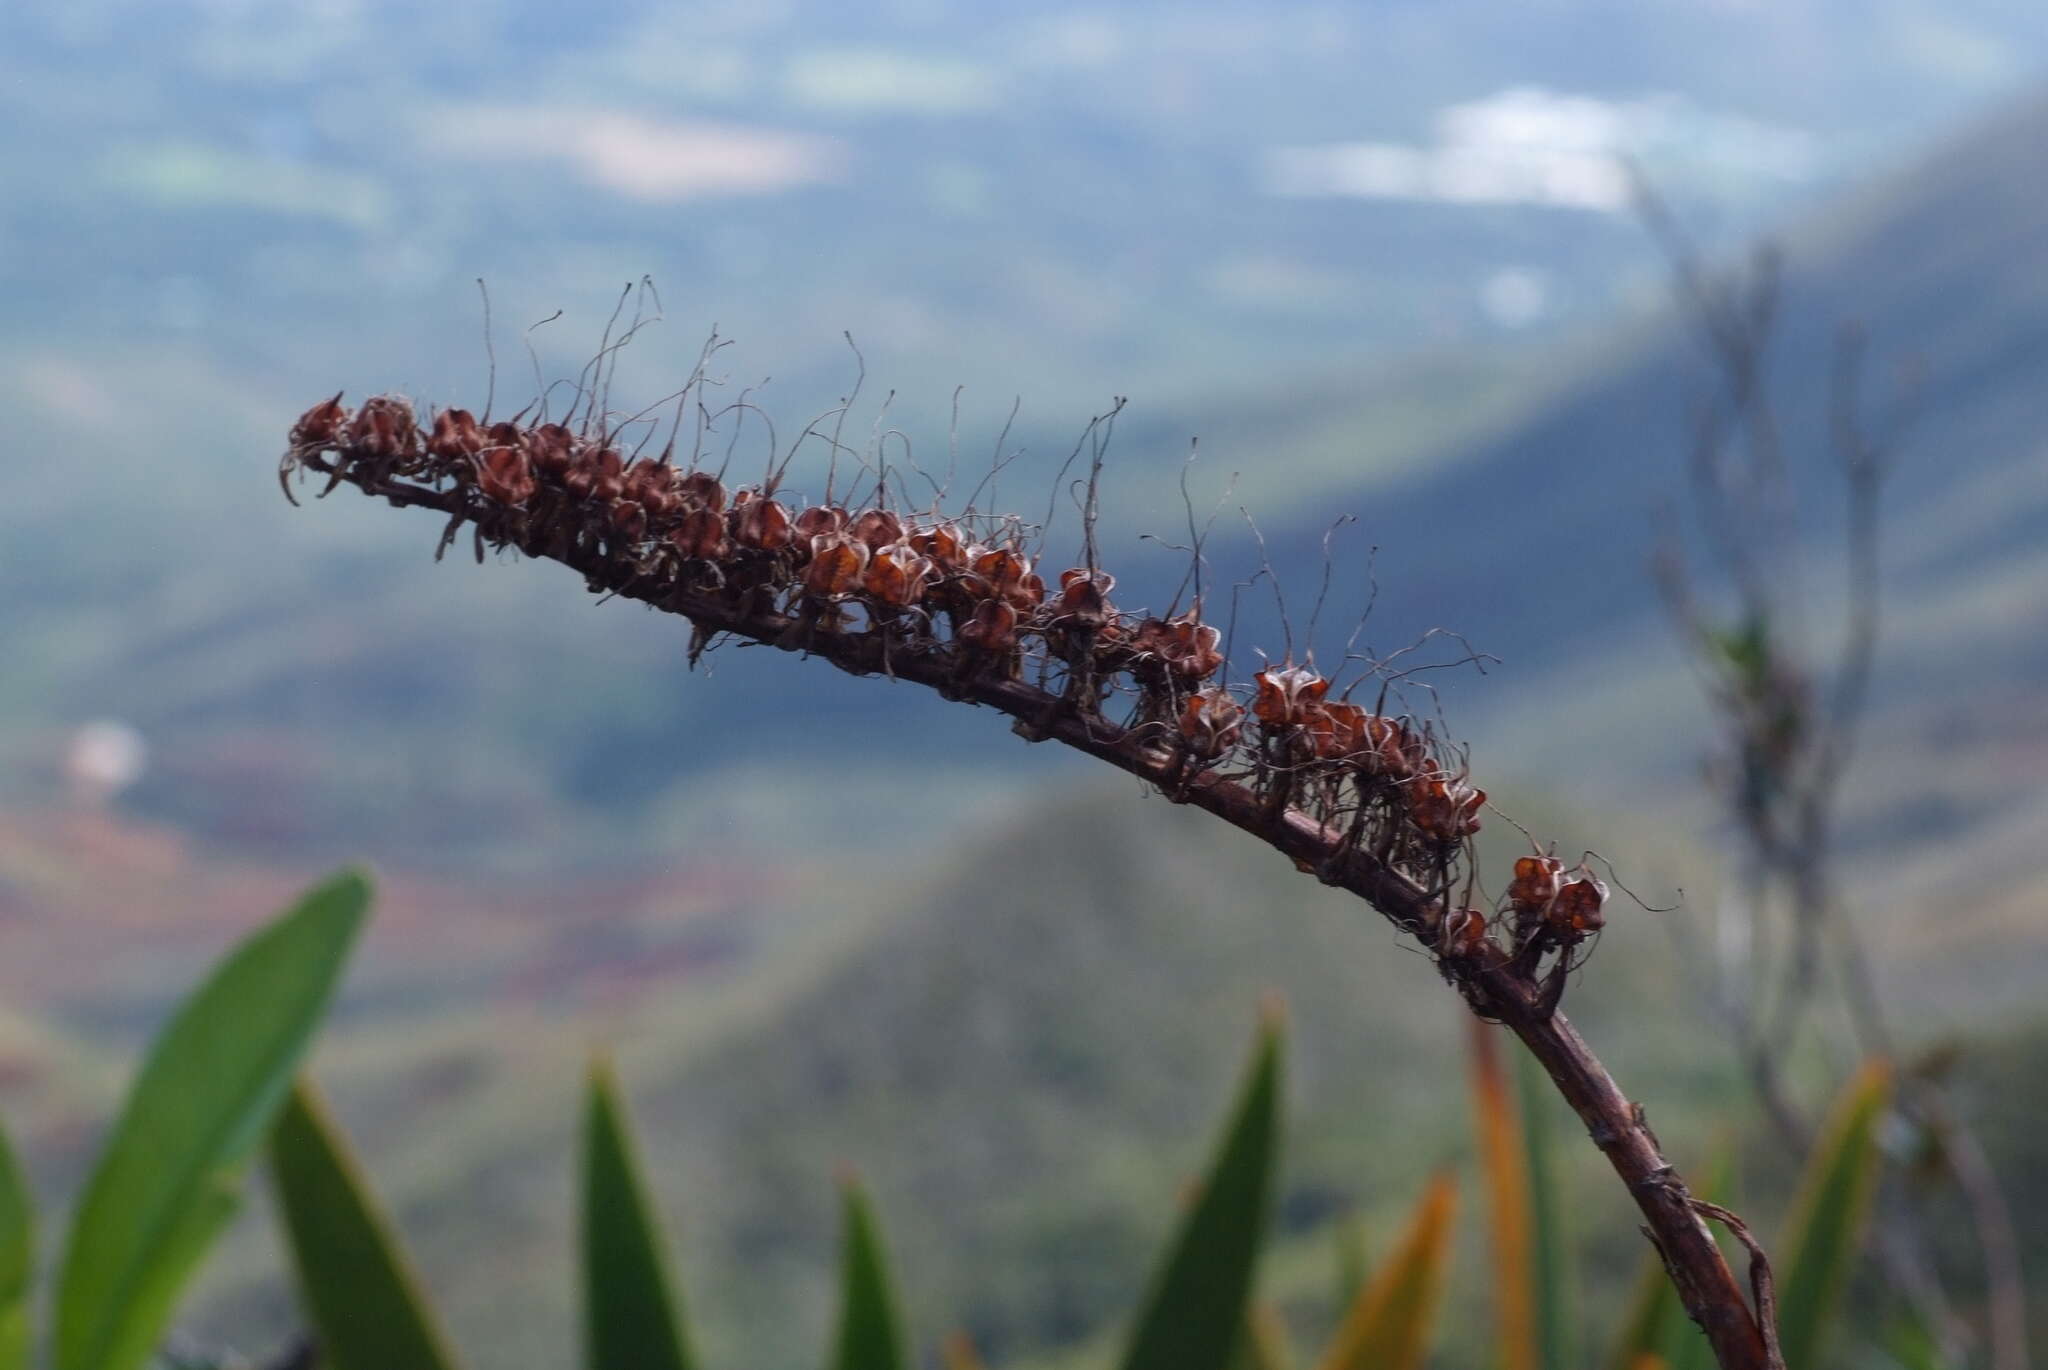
pixel 1363 796
pixel 958 601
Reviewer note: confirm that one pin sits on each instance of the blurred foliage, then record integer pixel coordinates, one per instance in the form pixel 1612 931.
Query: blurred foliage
pixel 359 1291
pixel 169 1175
pixel 218 1080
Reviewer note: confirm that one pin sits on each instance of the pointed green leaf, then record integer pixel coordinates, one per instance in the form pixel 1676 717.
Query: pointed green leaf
pixel 1557 1294
pixel 1195 1311
pixel 17 1259
pixel 355 1284
pixel 1352 1265
pixel 1821 1245
pixel 171 1172
pixel 1389 1325
pixel 870 1329
pixel 632 1316
pixel 1910 1344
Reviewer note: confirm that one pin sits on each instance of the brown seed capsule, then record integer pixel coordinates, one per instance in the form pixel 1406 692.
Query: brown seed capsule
pixel 702 488
pixel 820 520
pixel 1002 567
pixel 455 436
pixel 877 528
pixel 608 470
pixel 1287 695
pixel 503 475
pixel 554 450
pixel 1210 723
pixel 760 523
pixel 595 473
pixel 384 427
pixel 836 565
pixel 629 518
pixel 1391 750
pixel 896 576
pixel 1192 653
pixel 648 482
pixel 700 535
pixel 1446 810
pixel 1535 884
pixel 1025 593
pixel 1336 731
pixel 1083 600
pixel 1576 915
pixel 322 425
pixel 992 627
pixel 942 545
pixel 1464 935
pixel 1183 646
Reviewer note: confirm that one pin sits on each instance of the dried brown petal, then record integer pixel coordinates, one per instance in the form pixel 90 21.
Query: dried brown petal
pixel 1464 935
pixel 455 435
pixel 1446 810
pixel 503 475
pixel 1535 884
pixel 701 487
pixel 836 565
pixel 760 523
pixel 554 450
pixel 1287 695
pixel 896 576
pixel 1083 600
pixel 992 627
pixel 1210 723
pixel 1336 731
pixel 1576 913
pixel 877 528
pixel 700 535
pixel 322 425
pixel 941 543
pixel 384 427
pixel 1003 567
pixel 820 520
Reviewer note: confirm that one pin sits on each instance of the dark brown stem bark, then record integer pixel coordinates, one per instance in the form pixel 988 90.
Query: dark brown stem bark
pixel 1705 1285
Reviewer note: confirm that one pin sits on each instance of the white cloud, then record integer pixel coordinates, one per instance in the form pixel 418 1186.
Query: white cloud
pixel 1528 145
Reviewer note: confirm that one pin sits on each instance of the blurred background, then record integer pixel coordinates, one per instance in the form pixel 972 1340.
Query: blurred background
pixel 1380 258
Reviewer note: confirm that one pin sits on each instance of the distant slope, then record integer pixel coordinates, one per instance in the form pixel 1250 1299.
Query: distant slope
pixel 1535 540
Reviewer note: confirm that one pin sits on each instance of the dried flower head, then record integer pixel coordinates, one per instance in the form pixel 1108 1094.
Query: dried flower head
pixel 1288 696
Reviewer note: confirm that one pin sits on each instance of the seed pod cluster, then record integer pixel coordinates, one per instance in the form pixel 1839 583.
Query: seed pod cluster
pixel 956 601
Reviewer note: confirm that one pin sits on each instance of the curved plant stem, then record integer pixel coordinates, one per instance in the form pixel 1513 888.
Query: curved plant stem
pixel 1501 991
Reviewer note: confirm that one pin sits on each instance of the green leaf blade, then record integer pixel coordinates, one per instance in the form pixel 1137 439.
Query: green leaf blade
pixel 17 1259
pixel 168 1179
pixel 1822 1243
pixel 357 1287
pixel 1194 1316
pixel 1557 1290
pixel 633 1318
pixel 870 1335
